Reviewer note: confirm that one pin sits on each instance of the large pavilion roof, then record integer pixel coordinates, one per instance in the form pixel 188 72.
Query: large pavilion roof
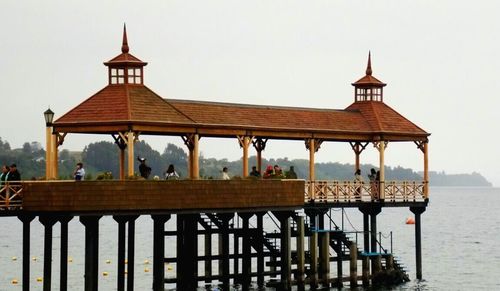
pixel 132 106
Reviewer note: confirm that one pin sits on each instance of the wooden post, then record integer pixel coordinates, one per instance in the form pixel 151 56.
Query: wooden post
pixel 382 171
pixel 313 250
pixel 246 266
pixel 195 169
pixel 122 164
pixel 426 170
pixel 325 258
pixel 131 156
pixel 311 159
pixel 208 254
pixel 353 265
pixel 191 141
pixel 366 271
pixel 259 144
pixel 244 142
pixel 260 249
pixel 55 157
pixel 357 152
pixel 286 259
pixel 300 251
pixel 48 153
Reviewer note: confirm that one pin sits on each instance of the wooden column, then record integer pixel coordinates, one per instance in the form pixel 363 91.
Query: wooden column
pixel 325 257
pixel 311 159
pixel 259 144
pixel 195 162
pixel 48 152
pixel 260 249
pixel 131 155
pixel 122 164
pixel 55 156
pixel 191 141
pixel 353 265
pixel 313 146
pixel 246 267
pixel 382 170
pixel 313 250
pixel 121 142
pixel 244 142
pixel 358 148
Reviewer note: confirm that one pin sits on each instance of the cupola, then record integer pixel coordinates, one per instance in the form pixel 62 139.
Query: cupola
pixel 125 68
pixel 368 88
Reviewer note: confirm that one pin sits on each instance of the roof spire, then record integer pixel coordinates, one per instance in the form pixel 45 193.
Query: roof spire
pixel 369 66
pixel 124 43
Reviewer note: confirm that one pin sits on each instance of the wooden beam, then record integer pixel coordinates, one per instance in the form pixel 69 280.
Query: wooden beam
pixel 48 153
pixel 426 170
pixel 259 144
pixel 382 170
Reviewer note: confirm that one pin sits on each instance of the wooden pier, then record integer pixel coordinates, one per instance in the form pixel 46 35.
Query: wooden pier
pixel 227 212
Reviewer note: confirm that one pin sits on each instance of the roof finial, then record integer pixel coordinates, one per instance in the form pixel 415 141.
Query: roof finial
pixel 369 66
pixel 124 43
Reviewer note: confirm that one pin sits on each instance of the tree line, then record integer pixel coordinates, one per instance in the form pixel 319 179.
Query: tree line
pixel 103 157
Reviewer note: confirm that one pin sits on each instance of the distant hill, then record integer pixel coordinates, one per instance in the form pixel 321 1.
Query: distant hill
pixel 100 157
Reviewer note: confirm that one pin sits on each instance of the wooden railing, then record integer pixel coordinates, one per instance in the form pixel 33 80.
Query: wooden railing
pixel 11 194
pixel 351 191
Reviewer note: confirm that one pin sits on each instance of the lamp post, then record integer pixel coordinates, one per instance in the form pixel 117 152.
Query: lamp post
pixel 49 117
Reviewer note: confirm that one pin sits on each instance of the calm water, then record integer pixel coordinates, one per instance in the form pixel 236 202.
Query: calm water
pixel 460 232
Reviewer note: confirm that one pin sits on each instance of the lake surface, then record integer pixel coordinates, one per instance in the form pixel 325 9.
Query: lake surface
pixel 460 245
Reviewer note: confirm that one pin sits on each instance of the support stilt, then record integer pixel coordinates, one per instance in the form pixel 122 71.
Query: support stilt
pixel 260 249
pixel 353 265
pixel 26 220
pixel 48 223
pixel 91 224
pixel 247 252
pixel 131 252
pixel 300 252
pixel 159 251
pixel 120 284
pixel 63 285
pixel 418 239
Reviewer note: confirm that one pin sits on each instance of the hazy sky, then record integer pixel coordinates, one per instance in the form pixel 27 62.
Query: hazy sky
pixel 440 60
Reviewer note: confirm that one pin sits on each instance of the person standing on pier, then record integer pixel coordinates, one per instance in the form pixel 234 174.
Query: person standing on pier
pixel 4 175
pixel 79 173
pixel 254 172
pixel 225 175
pixel 291 173
pixel 143 168
pixel 14 174
pixel 171 174
pixel 358 181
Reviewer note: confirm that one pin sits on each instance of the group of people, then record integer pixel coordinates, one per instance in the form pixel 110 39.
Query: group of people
pixel 9 173
pixel 145 171
pixel 270 173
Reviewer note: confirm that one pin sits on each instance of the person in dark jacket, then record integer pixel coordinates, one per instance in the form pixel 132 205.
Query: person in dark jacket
pixel 14 174
pixel 4 175
pixel 143 168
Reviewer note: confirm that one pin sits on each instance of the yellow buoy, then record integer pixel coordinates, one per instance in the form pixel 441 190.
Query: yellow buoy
pixel 70 259
pixel 126 261
pixel 104 274
pixel 146 262
pixel 146 270
pixel 14 281
pixel 34 259
pixel 14 258
pixel 170 268
pixel 108 261
pixel 39 279
pixel 126 272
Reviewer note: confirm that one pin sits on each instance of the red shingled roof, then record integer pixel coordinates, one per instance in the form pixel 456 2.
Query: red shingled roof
pixel 124 102
pixel 384 119
pixel 271 117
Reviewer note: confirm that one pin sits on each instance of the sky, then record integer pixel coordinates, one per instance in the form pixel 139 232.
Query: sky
pixel 439 59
